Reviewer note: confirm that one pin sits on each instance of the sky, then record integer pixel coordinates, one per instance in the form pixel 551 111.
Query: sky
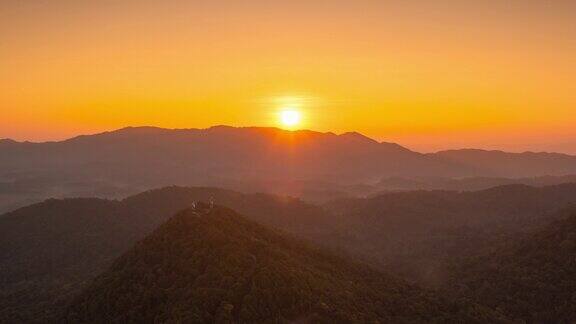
pixel 429 75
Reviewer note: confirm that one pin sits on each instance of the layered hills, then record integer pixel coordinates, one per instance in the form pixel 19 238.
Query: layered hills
pixel 303 163
pixel 418 234
pixel 50 250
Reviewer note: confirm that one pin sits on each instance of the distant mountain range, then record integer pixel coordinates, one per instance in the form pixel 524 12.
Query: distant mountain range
pixel 223 152
pixel 463 184
pixel 300 163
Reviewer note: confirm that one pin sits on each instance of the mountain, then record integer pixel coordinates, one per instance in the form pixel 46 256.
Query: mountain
pixel 214 266
pixel 512 165
pixel 118 163
pixel 50 250
pixel 418 234
pixel 531 278
pixel 220 153
pixel 462 184
pixel 130 160
pixel 6 142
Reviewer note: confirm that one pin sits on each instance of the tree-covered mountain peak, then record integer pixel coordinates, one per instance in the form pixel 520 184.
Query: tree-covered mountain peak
pixel 211 265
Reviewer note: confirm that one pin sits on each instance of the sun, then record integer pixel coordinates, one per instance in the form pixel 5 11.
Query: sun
pixel 290 118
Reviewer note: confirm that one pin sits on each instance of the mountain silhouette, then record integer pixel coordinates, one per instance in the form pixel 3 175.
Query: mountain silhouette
pixel 512 165
pixel 463 184
pixel 223 152
pixel 118 163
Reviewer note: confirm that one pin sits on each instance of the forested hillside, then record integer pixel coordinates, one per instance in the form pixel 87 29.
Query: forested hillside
pixel 52 250
pixel 417 234
pixel 212 265
pixel 49 251
pixel 532 278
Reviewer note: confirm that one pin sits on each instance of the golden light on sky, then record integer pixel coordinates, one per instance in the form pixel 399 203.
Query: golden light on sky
pixel 426 74
pixel 290 118
pixel 290 110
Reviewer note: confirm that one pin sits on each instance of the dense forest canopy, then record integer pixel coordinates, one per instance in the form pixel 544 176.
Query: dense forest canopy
pixel 49 251
pixel 212 265
pixel 532 277
pixel 442 240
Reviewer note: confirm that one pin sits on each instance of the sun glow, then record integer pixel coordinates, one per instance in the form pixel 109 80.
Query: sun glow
pixel 290 118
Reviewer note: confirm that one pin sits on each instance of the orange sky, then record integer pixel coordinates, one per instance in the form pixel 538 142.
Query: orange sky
pixel 427 74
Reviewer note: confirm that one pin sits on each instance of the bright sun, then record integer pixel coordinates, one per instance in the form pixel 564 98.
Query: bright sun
pixel 290 117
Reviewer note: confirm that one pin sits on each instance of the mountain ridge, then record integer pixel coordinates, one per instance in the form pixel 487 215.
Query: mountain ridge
pixel 49 251
pixel 355 134
pixel 134 159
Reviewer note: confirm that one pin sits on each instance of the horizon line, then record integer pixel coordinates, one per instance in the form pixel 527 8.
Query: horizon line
pixel 278 129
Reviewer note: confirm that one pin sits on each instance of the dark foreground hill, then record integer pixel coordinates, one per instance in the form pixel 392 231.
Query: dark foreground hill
pixel 49 251
pixel 532 278
pixel 214 266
